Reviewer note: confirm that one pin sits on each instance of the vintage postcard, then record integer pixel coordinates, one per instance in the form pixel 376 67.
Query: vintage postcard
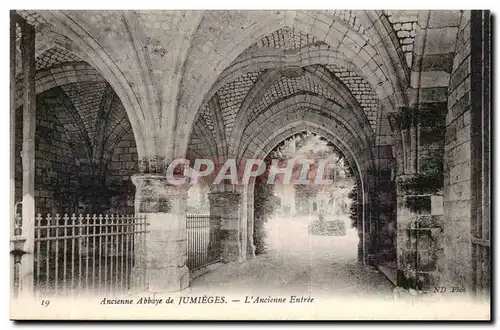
pixel 250 164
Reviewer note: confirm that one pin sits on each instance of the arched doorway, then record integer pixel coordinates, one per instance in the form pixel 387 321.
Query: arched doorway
pixel 317 220
pixel 75 151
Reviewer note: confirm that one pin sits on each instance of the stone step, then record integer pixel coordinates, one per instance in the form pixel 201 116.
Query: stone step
pixel 390 271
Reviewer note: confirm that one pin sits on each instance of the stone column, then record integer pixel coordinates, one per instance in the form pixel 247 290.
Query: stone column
pixel 419 241
pixel 250 218
pixel 419 194
pixel 244 223
pixel 385 209
pixel 226 205
pixel 163 261
pixel 26 279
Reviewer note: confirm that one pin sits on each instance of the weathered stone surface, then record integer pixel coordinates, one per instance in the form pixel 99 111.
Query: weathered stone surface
pixel 164 259
pixel 182 80
pixel 226 205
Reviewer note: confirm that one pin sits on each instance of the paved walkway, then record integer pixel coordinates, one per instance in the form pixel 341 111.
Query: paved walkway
pixel 299 264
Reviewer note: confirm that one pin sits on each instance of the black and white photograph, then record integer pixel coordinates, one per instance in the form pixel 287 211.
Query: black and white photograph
pixel 272 164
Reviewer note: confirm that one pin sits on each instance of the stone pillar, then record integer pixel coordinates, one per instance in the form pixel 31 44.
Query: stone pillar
pixel 13 91
pixel 244 223
pixel 163 261
pixel 420 200
pixel 26 279
pixel 385 206
pixel 226 205
pixel 419 241
pixel 250 229
pixel 369 232
pixel 360 215
pixel 370 217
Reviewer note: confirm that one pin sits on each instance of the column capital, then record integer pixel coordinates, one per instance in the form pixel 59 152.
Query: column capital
pixel 152 164
pixel 162 262
pixel 142 180
pixel 224 197
pixel 228 187
pixel 154 194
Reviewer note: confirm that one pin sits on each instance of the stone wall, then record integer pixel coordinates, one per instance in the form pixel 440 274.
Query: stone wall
pixel 466 192
pixel 421 224
pixel 122 165
pixel 385 204
pixel 65 179
pixel 58 171
pixel 361 90
pixel 457 164
pixel 405 24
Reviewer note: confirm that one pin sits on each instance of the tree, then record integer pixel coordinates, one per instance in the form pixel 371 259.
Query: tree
pixel 353 209
pixel 265 204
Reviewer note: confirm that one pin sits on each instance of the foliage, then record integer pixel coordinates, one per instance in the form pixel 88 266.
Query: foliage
pixel 311 146
pixel 327 228
pixel 428 181
pixel 301 146
pixel 353 209
pixel 265 204
pixel 431 118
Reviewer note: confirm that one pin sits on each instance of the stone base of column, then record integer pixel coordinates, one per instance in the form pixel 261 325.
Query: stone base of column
pixel 226 205
pixel 161 253
pixel 231 246
pixel 250 250
pixel 27 276
pixel 171 279
pixel 161 263
pixel 419 241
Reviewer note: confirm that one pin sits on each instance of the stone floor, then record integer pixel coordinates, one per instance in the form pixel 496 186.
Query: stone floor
pixel 301 264
pixel 303 277
pixel 324 268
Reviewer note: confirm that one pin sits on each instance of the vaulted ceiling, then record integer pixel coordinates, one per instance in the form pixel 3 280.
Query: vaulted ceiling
pixel 197 80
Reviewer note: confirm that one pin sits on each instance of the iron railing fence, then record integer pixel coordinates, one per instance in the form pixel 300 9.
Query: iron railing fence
pixel 82 254
pixel 203 240
pixel 79 254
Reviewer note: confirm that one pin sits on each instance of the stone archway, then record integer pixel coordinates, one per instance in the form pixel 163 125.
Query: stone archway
pixel 392 80
pixel 266 88
pixel 290 130
pixel 65 34
pixel 85 148
pixel 376 194
pixel 99 138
